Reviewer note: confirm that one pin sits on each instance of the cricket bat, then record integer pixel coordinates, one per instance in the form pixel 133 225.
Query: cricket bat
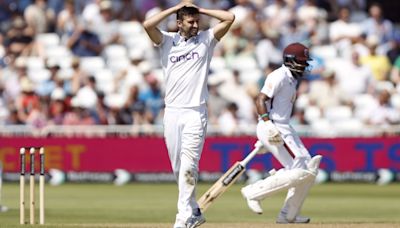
pixel 227 179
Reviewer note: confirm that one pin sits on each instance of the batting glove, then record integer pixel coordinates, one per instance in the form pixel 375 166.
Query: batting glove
pixel 274 136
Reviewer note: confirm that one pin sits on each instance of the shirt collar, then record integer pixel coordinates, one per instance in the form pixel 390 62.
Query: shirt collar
pixel 180 40
pixel 289 73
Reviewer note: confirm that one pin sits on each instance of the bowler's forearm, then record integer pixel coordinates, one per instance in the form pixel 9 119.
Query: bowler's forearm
pixel 156 19
pixel 261 107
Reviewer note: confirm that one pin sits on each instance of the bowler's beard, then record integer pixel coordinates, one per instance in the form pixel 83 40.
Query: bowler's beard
pixel 189 33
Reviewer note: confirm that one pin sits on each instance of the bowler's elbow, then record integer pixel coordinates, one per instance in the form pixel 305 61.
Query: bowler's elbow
pixel 146 25
pixel 231 18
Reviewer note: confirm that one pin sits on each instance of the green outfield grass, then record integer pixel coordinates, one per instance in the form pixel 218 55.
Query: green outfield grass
pixel 154 205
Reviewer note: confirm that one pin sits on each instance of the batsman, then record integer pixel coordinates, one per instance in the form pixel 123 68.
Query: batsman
pixel 274 105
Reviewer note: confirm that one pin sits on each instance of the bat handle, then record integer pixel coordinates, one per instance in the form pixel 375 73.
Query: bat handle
pixel 258 146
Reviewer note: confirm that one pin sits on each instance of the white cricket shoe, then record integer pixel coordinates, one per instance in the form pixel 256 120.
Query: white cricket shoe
pixel 254 205
pixel 299 219
pixel 195 221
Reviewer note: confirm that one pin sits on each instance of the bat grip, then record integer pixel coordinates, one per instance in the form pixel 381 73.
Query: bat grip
pixel 254 152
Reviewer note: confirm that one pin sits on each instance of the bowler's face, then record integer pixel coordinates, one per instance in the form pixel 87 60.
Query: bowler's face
pixel 189 26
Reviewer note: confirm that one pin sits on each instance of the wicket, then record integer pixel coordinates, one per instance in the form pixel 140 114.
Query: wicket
pixel 32 151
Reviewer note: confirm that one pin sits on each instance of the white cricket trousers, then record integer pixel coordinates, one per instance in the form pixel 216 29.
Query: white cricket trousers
pixel 293 154
pixel 184 133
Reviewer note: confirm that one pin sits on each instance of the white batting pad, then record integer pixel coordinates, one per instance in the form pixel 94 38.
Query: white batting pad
pixel 281 180
pixel 296 196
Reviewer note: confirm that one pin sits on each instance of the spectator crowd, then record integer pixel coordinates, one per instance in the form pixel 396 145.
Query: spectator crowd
pixel 89 62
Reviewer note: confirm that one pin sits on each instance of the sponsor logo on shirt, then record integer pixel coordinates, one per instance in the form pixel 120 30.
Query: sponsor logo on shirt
pixel 185 57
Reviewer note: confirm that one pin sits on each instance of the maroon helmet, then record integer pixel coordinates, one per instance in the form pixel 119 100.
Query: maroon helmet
pixel 295 57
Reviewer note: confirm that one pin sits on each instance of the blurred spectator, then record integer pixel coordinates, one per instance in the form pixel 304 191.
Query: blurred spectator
pixel 127 11
pixel 57 107
pixel 242 10
pixel 7 10
pixel 214 4
pixel 319 30
pixel 354 78
pixel 78 76
pixel 378 26
pixel 251 25
pixel 2 51
pixel 73 116
pixel 11 78
pixel 342 32
pixel 107 27
pixel 152 96
pixel 316 68
pixel 277 15
pixel 168 24
pixel 91 14
pixel 56 6
pixel 22 5
pixel 133 107
pixel 102 110
pixel 395 72
pixel 131 75
pixel 298 117
pixel 308 12
pixel 234 44
pixel 293 33
pixel 235 91
pixel 394 48
pixel 87 94
pixel 84 42
pixel 67 21
pixel 45 88
pixel 53 9
pixel 228 121
pixel 18 39
pixel 215 102
pixel 267 51
pixel 39 17
pixel 383 114
pixel 13 117
pixel 325 93
pixel 29 106
pixel 4 112
pixel 79 115
pixel 378 63
pixel 138 108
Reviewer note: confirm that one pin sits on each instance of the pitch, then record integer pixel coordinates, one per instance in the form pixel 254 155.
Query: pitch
pixel 153 206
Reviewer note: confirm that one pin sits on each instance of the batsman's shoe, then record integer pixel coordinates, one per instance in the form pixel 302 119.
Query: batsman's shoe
pixel 254 205
pixel 195 221
pixel 299 219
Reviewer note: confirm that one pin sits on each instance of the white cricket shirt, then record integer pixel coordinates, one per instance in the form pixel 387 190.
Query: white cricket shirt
pixel 185 65
pixel 281 87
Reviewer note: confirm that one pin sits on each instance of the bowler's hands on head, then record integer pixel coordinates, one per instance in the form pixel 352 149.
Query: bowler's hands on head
pixel 274 136
pixel 187 3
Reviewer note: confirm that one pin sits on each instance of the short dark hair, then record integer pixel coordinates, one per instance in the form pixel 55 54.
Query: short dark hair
pixel 186 11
